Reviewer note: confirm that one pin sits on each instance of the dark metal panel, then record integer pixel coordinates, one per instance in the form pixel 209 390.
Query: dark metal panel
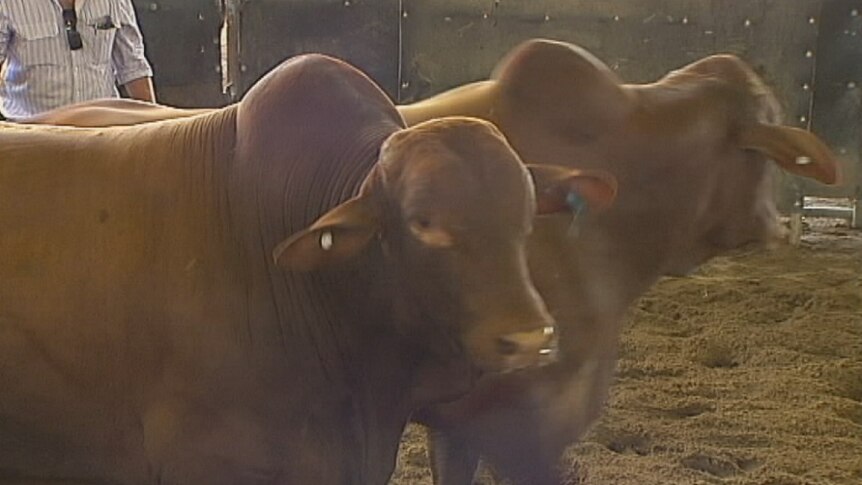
pixel 362 32
pixel 182 43
pixel 449 42
pixel 838 91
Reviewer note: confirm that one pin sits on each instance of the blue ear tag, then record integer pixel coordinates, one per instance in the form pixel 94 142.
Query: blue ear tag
pixel 578 206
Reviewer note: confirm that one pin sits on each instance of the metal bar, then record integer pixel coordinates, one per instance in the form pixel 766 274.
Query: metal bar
pixel 400 50
pixel 830 212
pixel 231 80
pixel 856 222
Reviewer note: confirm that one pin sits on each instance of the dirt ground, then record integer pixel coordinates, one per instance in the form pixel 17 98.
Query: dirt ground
pixel 747 373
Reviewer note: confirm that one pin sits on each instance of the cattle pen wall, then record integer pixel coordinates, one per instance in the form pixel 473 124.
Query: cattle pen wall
pixel 809 51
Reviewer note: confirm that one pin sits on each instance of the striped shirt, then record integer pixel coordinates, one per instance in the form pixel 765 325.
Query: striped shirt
pixel 40 71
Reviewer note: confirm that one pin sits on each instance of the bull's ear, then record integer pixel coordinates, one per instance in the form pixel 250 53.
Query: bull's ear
pixel 560 189
pixel 794 150
pixel 337 236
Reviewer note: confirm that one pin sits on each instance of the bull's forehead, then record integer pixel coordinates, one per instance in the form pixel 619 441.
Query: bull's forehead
pixel 458 169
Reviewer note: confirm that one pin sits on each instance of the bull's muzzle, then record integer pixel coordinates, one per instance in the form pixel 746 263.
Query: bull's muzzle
pixel 521 350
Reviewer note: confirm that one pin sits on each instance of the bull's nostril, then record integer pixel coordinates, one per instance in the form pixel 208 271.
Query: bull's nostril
pixel 507 346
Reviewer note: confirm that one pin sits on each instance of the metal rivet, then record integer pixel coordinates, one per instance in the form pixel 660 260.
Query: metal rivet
pixel 447 19
pixel 346 3
pixel 404 14
pixel 326 240
pixel 854 12
pixel 218 69
pixel 484 15
pixel 200 16
pixel 405 85
pixel 809 53
pixel 243 68
pixel 812 20
pixel 685 20
pixel 803 160
pixel 616 18
pixel 803 119
pixel 851 85
pixel 747 23
pixel 154 6
pixel 547 17
pixel 708 32
pixel 806 86
pixel 842 151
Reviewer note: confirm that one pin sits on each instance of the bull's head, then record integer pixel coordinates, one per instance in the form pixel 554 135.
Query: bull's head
pixel 451 205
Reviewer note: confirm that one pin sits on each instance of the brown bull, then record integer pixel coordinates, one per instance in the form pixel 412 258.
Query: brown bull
pixel 260 294
pixel 691 153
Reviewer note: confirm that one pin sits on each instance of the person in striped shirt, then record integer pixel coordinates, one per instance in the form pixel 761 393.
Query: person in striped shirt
pixel 58 52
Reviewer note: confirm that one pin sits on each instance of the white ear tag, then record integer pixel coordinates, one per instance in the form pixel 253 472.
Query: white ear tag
pixel 803 160
pixel 326 240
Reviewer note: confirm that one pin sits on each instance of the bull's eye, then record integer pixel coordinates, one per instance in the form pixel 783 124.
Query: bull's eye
pixel 326 240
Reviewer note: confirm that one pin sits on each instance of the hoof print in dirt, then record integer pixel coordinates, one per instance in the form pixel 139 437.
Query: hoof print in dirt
pixel 722 467
pixel 628 443
pixel 715 354
pixel 846 381
pixel 690 410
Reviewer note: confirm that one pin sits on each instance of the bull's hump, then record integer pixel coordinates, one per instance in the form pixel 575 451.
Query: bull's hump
pixel 315 103
pixel 560 77
pixel 314 85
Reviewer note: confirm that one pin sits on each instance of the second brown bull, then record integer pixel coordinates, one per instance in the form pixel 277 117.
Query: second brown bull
pixel 691 154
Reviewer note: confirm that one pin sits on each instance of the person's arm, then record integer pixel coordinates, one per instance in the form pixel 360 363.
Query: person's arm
pixel 141 88
pixel 5 31
pixel 132 69
pixel 5 34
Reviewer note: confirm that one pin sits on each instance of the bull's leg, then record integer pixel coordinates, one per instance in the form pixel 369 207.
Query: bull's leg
pixel 531 469
pixel 453 460
pixel 517 450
